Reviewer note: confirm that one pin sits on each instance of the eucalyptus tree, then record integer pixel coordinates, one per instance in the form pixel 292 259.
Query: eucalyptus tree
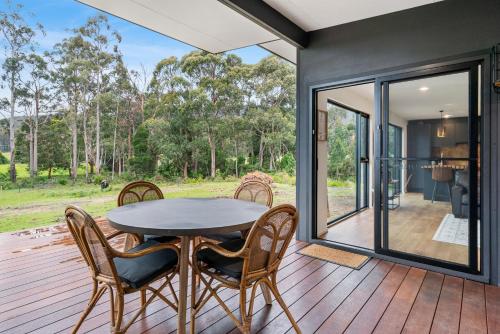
pixel 103 41
pixel 18 38
pixel 71 76
pixel 272 114
pixel 36 84
pixel 214 75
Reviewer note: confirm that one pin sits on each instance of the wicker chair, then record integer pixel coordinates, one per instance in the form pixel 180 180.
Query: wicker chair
pixel 121 273
pixel 251 191
pixel 244 264
pixel 140 191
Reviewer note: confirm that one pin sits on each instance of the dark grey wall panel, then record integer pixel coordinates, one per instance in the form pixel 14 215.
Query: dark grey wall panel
pixel 379 45
pixel 433 31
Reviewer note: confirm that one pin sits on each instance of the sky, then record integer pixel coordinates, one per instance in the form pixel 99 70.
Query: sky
pixel 139 45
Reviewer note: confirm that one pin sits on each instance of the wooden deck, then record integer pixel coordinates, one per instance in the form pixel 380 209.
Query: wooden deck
pixel 44 286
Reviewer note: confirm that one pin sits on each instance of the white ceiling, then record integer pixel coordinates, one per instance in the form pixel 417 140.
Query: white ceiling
pixel 447 92
pixel 318 14
pixel 282 49
pixel 212 26
pixel 205 24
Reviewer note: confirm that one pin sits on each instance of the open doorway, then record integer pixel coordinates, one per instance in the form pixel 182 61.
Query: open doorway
pixel 345 165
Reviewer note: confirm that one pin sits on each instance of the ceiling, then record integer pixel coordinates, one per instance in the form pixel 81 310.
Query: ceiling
pixel 318 14
pixel 206 24
pixel 406 99
pixel 449 93
pixel 213 26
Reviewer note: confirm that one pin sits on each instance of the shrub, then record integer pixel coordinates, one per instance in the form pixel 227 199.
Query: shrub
pixel 3 159
pixel 284 178
pixel 287 163
pixel 62 182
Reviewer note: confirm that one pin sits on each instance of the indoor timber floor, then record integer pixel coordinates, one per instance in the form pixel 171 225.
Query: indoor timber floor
pixel 411 229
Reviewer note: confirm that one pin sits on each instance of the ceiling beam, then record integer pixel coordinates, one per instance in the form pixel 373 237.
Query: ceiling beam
pixel 269 18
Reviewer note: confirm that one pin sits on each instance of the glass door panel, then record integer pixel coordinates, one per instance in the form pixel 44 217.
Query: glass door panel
pixel 429 204
pixel 348 152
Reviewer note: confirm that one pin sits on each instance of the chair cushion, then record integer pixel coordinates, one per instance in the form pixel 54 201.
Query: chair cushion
pixel 163 239
pixel 226 265
pixel 139 271
pixel 222 237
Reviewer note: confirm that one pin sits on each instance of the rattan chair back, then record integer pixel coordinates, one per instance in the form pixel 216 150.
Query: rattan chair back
pixel 268 240
pixel 92 243
pixel 139 191
pixel 255 191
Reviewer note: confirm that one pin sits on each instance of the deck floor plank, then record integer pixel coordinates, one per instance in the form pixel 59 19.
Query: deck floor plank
pixel 44 286
pixel 447 316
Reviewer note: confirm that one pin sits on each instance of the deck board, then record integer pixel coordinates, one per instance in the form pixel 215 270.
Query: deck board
pixel 44 286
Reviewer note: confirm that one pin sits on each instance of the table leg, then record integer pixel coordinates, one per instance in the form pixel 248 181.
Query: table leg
pixel 183 284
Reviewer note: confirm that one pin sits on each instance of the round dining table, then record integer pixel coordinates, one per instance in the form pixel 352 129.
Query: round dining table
pixel 185 218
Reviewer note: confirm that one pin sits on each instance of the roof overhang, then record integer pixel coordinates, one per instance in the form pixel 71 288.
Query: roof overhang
pixel 206 24
pixel 221 25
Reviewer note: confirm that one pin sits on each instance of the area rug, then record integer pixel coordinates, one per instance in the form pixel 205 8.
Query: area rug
pixel 347 259
pixel 454 230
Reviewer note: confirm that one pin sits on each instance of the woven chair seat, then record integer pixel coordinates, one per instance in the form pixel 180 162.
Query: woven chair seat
pixel 223 237
pixel 140 271
pixel 231 267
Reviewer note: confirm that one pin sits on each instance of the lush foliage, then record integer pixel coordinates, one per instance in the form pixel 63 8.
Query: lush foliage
pixel 204 115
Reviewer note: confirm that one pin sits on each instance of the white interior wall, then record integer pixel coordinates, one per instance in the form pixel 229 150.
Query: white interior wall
pixel 361 98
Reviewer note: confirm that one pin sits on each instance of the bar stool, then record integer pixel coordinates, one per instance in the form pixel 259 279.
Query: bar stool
pixel 443 174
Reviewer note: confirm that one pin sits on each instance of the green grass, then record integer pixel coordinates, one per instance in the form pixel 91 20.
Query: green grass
pixel 28 208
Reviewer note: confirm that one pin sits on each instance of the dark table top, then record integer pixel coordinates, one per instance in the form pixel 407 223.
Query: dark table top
pixel 186 216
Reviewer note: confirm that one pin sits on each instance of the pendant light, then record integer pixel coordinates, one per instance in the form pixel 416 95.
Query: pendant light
pixel 441 132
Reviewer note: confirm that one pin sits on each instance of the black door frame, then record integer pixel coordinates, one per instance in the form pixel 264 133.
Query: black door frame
pixel 381 175
pixel 359 114
pixel 489 164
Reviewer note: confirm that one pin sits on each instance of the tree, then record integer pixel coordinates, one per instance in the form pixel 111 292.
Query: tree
pixel 97 32
pixel 55 130
pixel 18 38
pixel 35 99
pixel 214 76
pixel 71 76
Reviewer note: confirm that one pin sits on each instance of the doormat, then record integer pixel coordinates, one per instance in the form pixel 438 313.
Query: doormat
pixel 337 256
pixel 454 231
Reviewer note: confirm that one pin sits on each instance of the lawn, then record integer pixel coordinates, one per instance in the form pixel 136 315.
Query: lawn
pixel 28 208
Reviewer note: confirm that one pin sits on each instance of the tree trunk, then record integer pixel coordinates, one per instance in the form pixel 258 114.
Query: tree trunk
pixel 261 151
pixel 129 142
pixel 98 129
pixel 236 164
pixel 212 155
pixel 185 170
pixel 85 143
pixel 31 150
pixel 74 135
pixel 114 145
pixel 50 172
pixel 12 129
pixel 35 133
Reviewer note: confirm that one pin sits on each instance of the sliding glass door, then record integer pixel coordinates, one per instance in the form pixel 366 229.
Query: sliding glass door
pixel 347 161
pixel 428 201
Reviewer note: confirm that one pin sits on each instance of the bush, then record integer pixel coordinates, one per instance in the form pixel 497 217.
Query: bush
pixel 287 163
pixel 3 159
pixel 284 178
pixel 62 182
pixel 340 183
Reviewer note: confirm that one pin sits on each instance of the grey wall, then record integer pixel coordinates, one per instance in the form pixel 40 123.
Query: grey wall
pixel 383 44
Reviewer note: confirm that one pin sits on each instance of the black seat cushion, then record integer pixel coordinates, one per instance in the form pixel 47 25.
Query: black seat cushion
pixel 139 271
pixel 163 239
pixel 222 237
pixel 226 265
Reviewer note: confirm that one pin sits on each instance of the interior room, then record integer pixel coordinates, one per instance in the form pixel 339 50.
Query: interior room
pixel 424 171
